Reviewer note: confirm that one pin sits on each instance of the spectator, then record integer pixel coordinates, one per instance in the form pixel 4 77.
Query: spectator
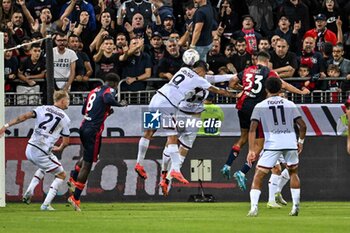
pixel 105 60
pixel 6 11
pixel 106 29
pixel 35 7
pixel 24 52
pixel 264 45
pixel 274 40
pixel 10 71
pixel 83 69
pixel 284 62
pixel 228 17
pixel 249 34
pixel 284 29
pixel 120 43
pixel 137 66
pixel 315 62
pixel 137 27
pixel 81 5
pixel 297 12
pixel 261 11
pixel 17 27
pixel 330 9
pixel 215 58
pixel 229 50
pixel 156 50
pixel 189 13
pixel 129 8
pixel 163 10
pixel 327 50
pixel 241 59
pixel 172 60
pixel 304 72
pixel 344 65
pixel 64 61
pixel 167 27
pixel 321 34
pixel 333 71
pixel 32 68
pixel 202 28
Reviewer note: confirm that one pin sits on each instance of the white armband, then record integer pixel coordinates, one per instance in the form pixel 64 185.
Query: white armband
pixel 301 141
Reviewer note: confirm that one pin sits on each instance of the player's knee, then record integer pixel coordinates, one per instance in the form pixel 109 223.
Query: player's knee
pixel 276 169
pixel 292 169
pixel 61 175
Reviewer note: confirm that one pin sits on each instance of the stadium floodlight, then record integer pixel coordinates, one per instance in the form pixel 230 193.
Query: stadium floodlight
pixel 2 122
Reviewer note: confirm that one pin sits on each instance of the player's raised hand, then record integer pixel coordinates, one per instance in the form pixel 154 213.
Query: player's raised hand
pixel 251 157
pixel 300 147
pixel 305 91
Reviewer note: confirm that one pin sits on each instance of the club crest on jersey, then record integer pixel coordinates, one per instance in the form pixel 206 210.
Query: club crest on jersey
pixel 151 120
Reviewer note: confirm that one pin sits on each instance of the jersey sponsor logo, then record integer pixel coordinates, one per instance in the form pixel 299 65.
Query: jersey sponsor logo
pixel 151 120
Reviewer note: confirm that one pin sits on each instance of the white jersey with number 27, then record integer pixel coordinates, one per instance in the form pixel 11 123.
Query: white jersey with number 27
pixel 277 116
pixel 50 123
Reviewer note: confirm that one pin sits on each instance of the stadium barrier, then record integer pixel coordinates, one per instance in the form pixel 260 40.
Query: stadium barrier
pixel 323 171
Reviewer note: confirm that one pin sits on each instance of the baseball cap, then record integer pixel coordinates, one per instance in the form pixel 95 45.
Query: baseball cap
pixel 169 16
pixel 156 34
pixel 320 17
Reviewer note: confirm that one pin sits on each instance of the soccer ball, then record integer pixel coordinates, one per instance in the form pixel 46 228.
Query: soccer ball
pixel 190 57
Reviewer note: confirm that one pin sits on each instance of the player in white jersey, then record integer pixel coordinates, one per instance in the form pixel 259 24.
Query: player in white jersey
pixel 188 110
pixel 181 87
pixel 277 116
pixel 51 123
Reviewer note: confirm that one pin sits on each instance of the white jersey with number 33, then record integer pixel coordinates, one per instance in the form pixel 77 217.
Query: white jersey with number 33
pixel 277 116
pixel 50 123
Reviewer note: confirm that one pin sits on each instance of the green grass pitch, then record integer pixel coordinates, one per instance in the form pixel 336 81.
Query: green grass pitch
pixel 175 217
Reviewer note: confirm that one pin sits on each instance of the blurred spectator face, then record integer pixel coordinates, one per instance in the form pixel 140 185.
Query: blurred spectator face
pixel 173 48
pixel 241 47
pixel 61 42
pixel 73 43
pixel 174 36
pixel 156 42
pixel 333 73
pixel 247 23
pixel 35 53
pixel 320 25
pixel 284 23
pixel 254 59
pixel 282 48
pixel 294 2
pixel 338 53
pixel 274 40
pixel 264 45
pixel 190 12
pixel 121 41
pixel 229 51
pixel 329 4
pixel 8 54
pixel 137 21
pixel 6 38
pixel 26 47
pixel 105 18
pixel 168 24
pixel 309 44
pixel 80 46
pixel 17 19
pixel 114 48
pixel 47 13
pixel 215 50
pixel 303 72
pixel 6 5
pixel 134 43
pixel 108 46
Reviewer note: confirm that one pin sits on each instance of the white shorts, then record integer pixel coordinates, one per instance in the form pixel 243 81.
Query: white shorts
pixel 280 160
pixel 187 135
pixel 168 111
pixel 47 162
pixel 269 158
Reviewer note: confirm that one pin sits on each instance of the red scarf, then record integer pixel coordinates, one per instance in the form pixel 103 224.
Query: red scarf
pixel 250 40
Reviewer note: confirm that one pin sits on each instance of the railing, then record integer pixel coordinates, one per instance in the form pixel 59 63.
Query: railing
pixel 37 98
pixel 317 96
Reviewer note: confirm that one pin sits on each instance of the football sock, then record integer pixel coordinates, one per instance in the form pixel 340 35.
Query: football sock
pixel 79 187
pixel 143 146
pixel 165 159
pixel 254 198
pixel 233 155
pixel 175 156
pixel 284 179
pixel 295 196
pixel 57 182
pixel 182 159
pixel 74 174
pixel 273 186
pixel 38 175
pixel 245 169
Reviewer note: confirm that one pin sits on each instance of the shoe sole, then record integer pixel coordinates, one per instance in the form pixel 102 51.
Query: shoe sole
pixel 75 207
pixel 274 207
pixel 179 178
pixel 241 184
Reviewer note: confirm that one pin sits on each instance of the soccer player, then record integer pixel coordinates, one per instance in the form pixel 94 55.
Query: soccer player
pixel 96 108
pixel 188 110
pixel 182 86
pixel 51 122
pixel 253 81
pixel 277 116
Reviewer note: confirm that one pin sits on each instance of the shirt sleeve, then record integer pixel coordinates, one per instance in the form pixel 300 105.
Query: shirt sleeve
pixel 219 78
pixel 256 113
pixel 65 131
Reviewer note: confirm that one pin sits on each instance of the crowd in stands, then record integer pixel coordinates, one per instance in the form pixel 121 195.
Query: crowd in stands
pixel 140 39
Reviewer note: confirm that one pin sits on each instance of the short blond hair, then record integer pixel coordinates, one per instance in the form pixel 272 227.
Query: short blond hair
pixel 58 95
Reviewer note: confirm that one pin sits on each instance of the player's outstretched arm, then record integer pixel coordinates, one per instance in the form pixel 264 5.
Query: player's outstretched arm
pixel 302 133
pixel 220 91
pixel 293 89
pixel 16 121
